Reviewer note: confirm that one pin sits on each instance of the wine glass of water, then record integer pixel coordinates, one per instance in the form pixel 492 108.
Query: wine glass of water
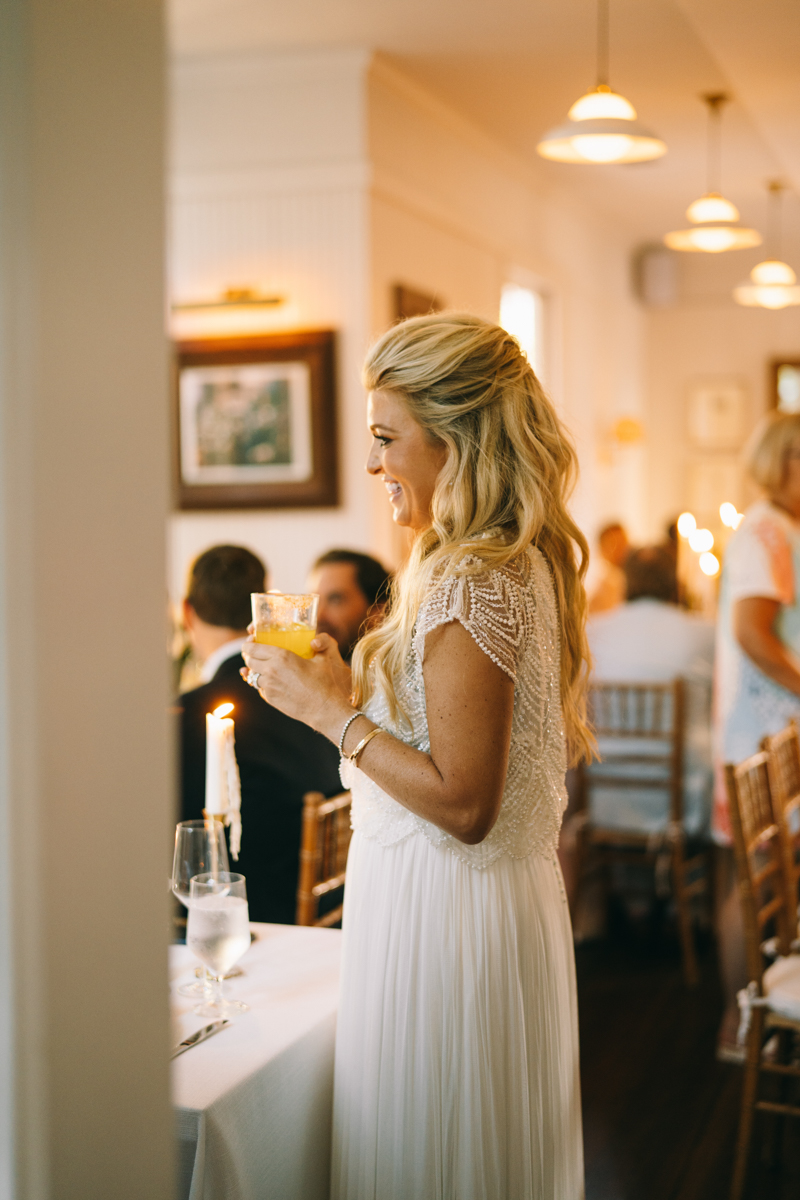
pixel 218 932
pixel 199 847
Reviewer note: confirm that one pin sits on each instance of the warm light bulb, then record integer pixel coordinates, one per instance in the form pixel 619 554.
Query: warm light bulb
pixel 602 102
pixel 772 271
pixel 709 564
pixel 686 524
pixel 602 147
pixel 223 710
pixel 712 207
pixel 728 514
pixel 701 540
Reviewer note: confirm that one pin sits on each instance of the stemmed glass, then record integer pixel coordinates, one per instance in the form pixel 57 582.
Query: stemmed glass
pixel 218 932
pixel 199 847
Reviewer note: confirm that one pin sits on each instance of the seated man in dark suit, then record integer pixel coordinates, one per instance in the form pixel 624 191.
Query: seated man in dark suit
pixel 279 759
pixel 353 593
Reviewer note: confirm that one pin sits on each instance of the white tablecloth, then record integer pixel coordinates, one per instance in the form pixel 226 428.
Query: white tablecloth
pixel 254 1101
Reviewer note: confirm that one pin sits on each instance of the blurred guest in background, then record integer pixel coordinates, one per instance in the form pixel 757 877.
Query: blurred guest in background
pixel 279 758
pixel 353 593
pixel 648 639
pixel 757 685
pixel 614 550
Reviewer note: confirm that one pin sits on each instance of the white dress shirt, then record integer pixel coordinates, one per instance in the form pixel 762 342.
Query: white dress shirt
pixel 650 641
pixel 220 655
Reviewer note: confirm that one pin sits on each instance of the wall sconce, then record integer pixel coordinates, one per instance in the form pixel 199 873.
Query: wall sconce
pixel 231 298
pixel 239 311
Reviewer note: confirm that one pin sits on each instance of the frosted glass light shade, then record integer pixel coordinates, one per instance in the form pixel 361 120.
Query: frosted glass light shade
pixel 712 207
pixel 602 102
pixel 713 239
pixel 776 296
pixel 772 271
pixel 601 140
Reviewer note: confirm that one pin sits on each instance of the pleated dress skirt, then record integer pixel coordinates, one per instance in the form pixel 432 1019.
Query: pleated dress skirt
pixel 457 1039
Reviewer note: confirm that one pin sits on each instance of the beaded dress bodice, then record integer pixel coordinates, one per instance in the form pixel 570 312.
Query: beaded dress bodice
pixel 511 613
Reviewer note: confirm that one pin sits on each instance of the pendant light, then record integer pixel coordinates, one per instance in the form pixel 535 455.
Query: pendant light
pixel 601 127
pixel 773 281
pixel 713 216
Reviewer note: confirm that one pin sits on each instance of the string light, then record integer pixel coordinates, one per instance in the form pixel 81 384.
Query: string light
pixel 709 564
pixel 701 540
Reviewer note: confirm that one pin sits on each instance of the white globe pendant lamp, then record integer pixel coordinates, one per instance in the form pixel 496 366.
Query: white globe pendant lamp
pixel 601 127
pixel 773 283
pixel 714 219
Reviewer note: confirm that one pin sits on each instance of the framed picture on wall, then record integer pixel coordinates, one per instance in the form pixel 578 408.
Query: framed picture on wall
pixel 255 421
pixel 717 414
pixel 410 302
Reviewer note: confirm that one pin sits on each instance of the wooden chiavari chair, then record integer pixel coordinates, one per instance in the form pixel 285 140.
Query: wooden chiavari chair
pixel 783 764
pixel 771 1001
pixel 645 721
pixel 323 855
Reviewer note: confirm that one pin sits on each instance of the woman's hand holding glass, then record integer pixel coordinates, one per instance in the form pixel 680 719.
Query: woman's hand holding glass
pixel 316 690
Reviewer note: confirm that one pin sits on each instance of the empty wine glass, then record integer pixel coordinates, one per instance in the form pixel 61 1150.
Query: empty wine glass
pixel 218 932
pixel 199 847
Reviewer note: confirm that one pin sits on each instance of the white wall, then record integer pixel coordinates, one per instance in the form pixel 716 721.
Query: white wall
pixel 455 215
pixel 706 336
pixel 329 177
pixel 268 189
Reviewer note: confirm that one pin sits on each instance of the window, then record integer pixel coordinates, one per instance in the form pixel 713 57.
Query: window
pixel 786 386
pixel 522 315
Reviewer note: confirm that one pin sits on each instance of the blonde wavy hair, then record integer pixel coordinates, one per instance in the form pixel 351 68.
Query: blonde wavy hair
pixel 509 471
pixel 770 443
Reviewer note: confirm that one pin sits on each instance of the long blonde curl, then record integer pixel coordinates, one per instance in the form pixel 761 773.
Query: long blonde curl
pixel 509 472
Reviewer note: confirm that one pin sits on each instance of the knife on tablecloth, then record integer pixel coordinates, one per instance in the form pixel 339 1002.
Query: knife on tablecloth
pixel 202 1035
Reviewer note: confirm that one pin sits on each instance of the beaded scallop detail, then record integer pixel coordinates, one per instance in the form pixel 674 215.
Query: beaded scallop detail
pixel 511 613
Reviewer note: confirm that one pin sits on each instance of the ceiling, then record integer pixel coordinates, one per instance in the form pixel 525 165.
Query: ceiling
pixel 513 67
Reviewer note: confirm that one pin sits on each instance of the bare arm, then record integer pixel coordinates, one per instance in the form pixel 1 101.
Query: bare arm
pixel 753 626
pixel 470 700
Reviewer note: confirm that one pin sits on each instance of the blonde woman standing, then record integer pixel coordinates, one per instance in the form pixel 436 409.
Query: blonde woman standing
pixel 457 1050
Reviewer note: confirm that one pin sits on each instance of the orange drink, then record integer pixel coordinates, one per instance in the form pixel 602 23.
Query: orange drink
pixel 296 638
pixel 287 621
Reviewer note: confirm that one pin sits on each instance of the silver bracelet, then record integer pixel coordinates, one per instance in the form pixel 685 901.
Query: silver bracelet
pixel 347 725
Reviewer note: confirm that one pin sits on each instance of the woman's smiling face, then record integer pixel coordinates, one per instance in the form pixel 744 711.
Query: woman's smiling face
pixel 405 457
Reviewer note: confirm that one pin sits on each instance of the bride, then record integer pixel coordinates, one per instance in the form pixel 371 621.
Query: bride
pixel 457 1054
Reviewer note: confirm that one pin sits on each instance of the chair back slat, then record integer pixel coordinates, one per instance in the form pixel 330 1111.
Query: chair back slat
pixel 650 712
pixel 635 710
pixel 783 750
pixel 323 855
pixel 759 859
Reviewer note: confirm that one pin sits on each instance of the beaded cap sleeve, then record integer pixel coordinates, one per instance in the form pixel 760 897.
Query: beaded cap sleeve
pixel 512 615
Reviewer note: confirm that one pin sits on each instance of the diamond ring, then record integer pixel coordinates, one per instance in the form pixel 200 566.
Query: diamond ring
pixel 253 679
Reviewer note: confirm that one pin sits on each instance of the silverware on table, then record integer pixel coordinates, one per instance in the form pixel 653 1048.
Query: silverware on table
pixel 202 1035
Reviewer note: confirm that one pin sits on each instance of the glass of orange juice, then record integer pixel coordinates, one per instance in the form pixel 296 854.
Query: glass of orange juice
pixel 280 619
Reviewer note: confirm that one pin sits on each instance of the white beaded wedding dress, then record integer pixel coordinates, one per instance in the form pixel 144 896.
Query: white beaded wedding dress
pixel 457 1045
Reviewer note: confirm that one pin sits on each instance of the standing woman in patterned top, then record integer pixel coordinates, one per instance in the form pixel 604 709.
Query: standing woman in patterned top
pixel 457 1044
pixel 757 664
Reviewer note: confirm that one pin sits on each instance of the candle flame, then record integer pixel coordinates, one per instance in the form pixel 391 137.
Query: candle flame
pixel 223 710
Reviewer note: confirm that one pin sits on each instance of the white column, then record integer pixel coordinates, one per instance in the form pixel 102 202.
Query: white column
pixel 85 788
